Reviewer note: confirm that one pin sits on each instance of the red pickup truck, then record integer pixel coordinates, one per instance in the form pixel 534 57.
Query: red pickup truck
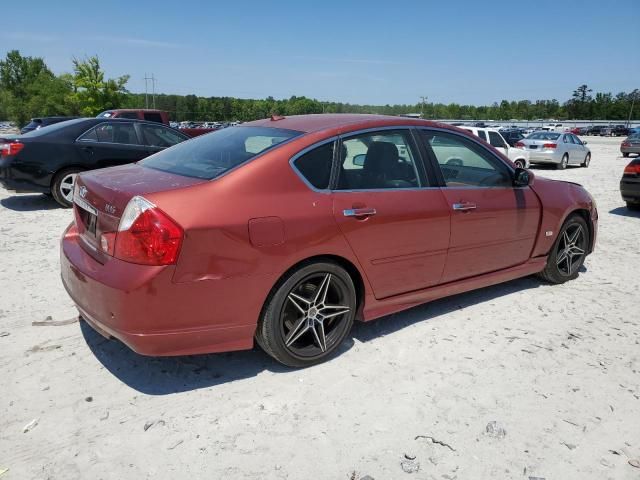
pixel 150 115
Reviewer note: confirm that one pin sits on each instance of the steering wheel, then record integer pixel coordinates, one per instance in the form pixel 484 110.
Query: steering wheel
pixel 455 162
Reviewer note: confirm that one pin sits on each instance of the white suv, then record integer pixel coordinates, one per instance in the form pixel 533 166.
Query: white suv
pixel 496 140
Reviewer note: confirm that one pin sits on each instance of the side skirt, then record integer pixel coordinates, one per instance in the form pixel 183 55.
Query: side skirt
pixel 407 300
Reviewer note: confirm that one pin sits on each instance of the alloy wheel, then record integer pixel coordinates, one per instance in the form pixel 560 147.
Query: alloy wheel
pixel 66 186
pixel 571 249
pixel 314 315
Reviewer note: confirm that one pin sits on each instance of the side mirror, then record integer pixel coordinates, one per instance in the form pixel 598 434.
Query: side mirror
pixel 358 160
pixel 584 143
pixel 522 177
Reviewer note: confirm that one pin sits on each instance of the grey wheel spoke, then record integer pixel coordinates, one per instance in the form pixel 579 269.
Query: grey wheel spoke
pixel 335 310
pixel 565 239
pixel 321 296
pixel 319 338
pixel 577 250
pixel 561 258
pixel 296 332
pixel 569 263
pixel 573 238
pixel 296 300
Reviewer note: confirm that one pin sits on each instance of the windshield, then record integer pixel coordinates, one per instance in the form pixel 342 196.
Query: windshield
pixel 544 136
pixel 210 155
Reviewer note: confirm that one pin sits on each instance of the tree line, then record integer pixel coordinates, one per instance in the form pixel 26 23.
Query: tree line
pixel 28 88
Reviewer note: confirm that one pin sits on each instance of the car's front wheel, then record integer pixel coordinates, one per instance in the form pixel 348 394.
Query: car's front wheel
pixel 308 315
pixel 625 154
pixel 587 160
pixel 519 163
pixel 568 252
pixel 62 186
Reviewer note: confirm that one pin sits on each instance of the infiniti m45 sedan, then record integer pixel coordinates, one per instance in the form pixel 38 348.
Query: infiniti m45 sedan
pixel 285 231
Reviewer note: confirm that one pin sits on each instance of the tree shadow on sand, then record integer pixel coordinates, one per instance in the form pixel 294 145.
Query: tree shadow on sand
pixel 29 203
pixel 166 375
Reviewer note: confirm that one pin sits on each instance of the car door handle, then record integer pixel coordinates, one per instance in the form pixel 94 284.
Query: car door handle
pixel 463 207
pixel 359 212
pixel 88 149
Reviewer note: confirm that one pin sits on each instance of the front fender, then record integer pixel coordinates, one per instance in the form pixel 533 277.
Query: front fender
pixel 559 200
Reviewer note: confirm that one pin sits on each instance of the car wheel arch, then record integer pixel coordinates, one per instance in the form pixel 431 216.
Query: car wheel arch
pixel 65 167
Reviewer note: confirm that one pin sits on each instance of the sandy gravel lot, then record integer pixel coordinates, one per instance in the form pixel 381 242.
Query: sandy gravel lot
pixel 556 367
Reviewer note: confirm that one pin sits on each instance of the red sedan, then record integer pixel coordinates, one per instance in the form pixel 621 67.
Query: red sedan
pixel 286 230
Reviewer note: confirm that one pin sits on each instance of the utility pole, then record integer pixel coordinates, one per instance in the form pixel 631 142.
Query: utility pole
pixel 424 99
pixel 146 90
pixel 634 94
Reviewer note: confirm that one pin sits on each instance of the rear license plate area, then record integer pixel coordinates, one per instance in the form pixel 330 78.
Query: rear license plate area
pixel 533 147
pixel 88 215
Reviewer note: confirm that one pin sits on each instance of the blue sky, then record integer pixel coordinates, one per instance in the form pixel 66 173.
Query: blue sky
pixel 372 51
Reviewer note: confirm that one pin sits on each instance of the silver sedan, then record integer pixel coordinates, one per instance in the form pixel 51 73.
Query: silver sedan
pixel 557 148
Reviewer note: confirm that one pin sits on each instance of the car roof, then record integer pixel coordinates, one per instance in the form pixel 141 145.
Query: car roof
pixel 340 121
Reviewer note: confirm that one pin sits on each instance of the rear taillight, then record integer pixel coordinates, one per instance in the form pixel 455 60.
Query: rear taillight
pixel 550 145
pixel 9 149
pixel 633 168
pixel 519 145
pixel 626 144
pixel 146 235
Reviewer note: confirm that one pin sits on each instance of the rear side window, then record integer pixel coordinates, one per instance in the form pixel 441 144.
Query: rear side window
pixel 315 165
pixel 122 133
pixel 482 135
pixel 132 115
pixel 496 140
pixel 211 155
pixel 153 117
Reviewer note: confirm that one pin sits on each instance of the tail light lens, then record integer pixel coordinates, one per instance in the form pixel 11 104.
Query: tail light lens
pixel 519 145
pixel 632 169
pixel 626 144
pixel 550 145
pixel 146 235
pixel 9 149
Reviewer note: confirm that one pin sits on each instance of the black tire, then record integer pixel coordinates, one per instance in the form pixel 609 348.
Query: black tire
pixel 561 267
pixel 563 163
pixel 295 338
pixel 587 161
pixel 633 206
pixel 60 186
pixel 519 163
pixel 625 154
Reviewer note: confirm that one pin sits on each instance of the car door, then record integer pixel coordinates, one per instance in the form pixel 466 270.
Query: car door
pixel 110 144
pixel 493 224
pixel 157 137
pixel 396 224
pixel 580 149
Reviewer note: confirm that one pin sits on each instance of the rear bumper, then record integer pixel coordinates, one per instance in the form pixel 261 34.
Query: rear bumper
pixel 630 189
pixel 544 157
pixel 143 308
pixel 19 181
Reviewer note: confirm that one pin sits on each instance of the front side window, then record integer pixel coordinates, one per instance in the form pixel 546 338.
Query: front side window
pixel 211 155
pixel 464 163
pixel 377 160
pixel 315 165
pixel 159 136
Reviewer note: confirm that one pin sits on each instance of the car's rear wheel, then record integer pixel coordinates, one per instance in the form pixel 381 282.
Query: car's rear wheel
pixel 308 315
pixel 568 252
pixel 587 160
pixel 563 163
pixel 62 186
pixel 625 154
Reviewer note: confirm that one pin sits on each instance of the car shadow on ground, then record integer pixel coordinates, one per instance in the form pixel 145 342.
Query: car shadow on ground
pixel 29 203
pixel 625 212
pixel 551 166
pixel 167 375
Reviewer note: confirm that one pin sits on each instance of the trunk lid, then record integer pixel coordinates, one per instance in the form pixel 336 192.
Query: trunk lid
pixel 102 195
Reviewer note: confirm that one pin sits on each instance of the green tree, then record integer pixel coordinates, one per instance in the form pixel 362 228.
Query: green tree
pixel 93 93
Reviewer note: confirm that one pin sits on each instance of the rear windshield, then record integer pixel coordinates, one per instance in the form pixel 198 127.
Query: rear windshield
pixel 210 155
pixel 53 128
pixel 544 136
